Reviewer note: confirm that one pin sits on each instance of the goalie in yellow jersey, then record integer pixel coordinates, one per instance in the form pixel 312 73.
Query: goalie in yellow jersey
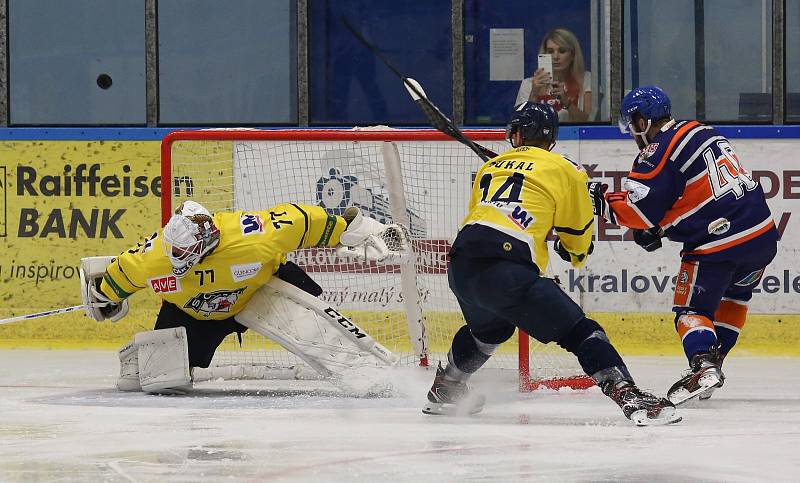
pixel 211 272
pixel 497 264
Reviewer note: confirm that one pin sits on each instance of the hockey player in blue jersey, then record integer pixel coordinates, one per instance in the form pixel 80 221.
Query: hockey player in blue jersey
pixel 688 185
pixel 496 271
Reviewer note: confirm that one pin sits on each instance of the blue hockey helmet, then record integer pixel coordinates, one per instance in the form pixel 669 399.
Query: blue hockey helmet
pixel 535 122
pixel 650 102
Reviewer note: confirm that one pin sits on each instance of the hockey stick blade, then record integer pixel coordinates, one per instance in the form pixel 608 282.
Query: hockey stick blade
pixel 435 116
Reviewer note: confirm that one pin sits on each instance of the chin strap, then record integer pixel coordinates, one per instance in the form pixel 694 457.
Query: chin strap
pixel 642 135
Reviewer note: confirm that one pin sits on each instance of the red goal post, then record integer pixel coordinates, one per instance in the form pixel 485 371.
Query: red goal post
pixel 420 178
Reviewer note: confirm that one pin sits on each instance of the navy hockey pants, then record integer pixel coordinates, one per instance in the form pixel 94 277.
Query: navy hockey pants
pixel 711 298
pixel 496 294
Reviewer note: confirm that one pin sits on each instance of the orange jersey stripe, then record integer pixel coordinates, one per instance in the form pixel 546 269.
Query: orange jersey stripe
pixel 695 194
pixel 693 322
pixel 675 140
pixel 731 313
pixel 625 213
pixel 736 241
pixel 684 285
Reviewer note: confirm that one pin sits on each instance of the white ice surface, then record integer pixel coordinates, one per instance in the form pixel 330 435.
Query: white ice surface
pixel 61 420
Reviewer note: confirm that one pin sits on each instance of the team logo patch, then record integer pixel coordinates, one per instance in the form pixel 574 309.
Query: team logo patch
pixel 520 217
pixel 165 284
pixel 636 190
pixel 750 279
pixel 719 226
pixel 251 224
pixel 689 321
pixel 682 287
pixel 649 150
pixel 218 302
pixel 245 271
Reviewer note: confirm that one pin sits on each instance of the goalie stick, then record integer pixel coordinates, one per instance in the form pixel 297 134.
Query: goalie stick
pixel 48 313
pixel 435 116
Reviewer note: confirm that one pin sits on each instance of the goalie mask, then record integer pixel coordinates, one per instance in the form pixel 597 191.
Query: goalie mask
pixel 189 236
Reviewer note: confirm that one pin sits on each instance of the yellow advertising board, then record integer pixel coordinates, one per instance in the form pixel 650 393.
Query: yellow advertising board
pixel 60 201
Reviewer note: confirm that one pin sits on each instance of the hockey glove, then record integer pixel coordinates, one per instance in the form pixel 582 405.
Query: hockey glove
pixel 567 256
pixel 597 191
pixel 369 239
pixel 97 305
pixel 600 206
pixel 649 239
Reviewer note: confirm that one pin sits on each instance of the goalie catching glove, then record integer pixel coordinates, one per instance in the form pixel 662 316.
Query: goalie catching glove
pixel 370 239
pixel 98 306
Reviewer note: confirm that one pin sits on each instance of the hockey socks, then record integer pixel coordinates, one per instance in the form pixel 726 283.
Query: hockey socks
pixel 728 322
pixel 697 333
pixel 590 344
pixel 467 355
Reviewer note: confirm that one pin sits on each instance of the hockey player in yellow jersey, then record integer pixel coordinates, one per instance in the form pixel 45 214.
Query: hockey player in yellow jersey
pixel 252 249
pixel 206 268
pixel 497 271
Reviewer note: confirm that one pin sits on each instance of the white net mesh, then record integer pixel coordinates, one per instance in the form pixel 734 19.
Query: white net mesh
pixel 428 192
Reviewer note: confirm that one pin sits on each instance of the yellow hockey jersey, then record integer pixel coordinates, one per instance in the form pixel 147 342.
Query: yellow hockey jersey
pixel 528 191
pixel 251 248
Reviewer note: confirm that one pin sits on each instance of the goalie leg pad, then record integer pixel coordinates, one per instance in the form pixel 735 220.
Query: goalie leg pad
pixel 163 357
pixel 129 368
pixel 312 338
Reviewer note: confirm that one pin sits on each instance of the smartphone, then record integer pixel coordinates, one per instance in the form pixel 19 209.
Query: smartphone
pixel 546 63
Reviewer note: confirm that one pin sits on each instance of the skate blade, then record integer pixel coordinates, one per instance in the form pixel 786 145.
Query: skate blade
pixel 666 416
pixel 441 409
pixel 680 397
pixel 705 396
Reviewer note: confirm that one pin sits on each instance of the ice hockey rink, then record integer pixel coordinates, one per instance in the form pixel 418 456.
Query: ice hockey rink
pixel 62 420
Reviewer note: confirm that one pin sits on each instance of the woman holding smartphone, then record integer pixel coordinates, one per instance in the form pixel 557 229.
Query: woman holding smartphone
pixel 568 87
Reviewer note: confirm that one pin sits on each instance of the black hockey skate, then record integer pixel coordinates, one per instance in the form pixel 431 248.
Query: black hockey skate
pixel 451 398
pixel 703 377
pixel 641 407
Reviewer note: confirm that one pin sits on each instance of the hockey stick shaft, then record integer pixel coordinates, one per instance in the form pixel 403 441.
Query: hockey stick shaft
pixel 47 313
pixel 435 116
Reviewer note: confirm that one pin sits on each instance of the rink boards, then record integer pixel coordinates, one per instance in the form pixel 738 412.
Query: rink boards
pixel 67 198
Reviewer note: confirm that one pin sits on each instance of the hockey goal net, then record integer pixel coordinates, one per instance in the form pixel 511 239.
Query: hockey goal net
pixel 419 178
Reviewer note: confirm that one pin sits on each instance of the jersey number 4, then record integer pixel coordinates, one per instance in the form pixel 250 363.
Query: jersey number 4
pixel 725 172
pixel 508 192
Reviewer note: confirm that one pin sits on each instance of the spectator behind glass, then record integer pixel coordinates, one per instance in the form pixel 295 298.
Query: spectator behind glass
pixel 570 92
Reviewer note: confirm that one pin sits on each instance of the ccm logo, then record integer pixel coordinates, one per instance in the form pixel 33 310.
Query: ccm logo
pixel 342 320
pixel 166 284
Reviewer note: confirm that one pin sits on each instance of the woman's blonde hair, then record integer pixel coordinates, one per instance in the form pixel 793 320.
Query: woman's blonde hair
pixel 564 38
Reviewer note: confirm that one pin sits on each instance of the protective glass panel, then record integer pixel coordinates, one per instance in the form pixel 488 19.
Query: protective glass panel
pixel 501 51
pixel 350 85
pixel 793 62
pixel 76 63
pixel 232 62
pixel 713 58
